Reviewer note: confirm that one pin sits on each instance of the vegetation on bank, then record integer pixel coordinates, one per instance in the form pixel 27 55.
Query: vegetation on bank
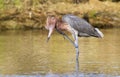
pixel 31 14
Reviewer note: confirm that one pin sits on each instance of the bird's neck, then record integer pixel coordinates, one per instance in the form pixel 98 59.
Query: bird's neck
pixel 60 25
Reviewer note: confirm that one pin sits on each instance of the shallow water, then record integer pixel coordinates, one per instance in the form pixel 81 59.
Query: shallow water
pixel 26 54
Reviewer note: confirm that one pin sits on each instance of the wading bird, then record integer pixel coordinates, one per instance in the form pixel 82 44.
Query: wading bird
pixel 77 26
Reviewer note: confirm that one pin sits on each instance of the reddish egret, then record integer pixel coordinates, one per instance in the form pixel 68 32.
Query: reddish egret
pixel 77 26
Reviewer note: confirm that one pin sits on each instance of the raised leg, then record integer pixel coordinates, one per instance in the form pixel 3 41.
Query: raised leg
pixel 65 36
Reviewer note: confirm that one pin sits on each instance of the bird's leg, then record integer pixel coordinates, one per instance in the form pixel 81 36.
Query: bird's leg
pixel 75 36
pixel 65 36
pixel 76 44
pixel 77 55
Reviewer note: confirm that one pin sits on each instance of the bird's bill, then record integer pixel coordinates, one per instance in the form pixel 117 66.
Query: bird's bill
pixel 49 34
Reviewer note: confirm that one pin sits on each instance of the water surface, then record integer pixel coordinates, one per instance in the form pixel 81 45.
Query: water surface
pixel 26 54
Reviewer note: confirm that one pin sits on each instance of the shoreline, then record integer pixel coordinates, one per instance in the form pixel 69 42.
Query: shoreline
pixel 103 15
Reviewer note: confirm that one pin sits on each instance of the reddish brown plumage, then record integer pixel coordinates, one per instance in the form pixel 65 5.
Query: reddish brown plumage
pixel 60 25
pixel 54 22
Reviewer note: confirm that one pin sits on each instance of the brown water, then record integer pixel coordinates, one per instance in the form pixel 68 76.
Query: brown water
pixel 26 54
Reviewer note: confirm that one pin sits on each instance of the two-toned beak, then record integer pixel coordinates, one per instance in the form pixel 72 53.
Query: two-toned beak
pixel 49 34
pixel 50 25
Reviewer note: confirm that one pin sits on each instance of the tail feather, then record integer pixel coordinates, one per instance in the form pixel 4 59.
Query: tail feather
pixel 101 35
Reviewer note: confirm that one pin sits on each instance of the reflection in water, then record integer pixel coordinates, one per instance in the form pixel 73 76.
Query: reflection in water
pixel 26 53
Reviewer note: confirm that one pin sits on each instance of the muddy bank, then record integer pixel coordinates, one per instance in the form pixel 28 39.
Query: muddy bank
pixel 34 18
pixel 15 19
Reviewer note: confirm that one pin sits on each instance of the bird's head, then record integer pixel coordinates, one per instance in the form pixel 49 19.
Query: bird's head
pixel 50 25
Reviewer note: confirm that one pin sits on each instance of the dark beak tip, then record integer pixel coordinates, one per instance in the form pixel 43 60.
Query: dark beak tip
pixel 48 39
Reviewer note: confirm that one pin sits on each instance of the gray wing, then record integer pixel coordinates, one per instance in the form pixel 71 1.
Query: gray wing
pixel 79 24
